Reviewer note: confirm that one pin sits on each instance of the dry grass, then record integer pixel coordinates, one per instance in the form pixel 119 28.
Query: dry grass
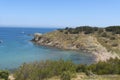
pixel 82 76
pixel 110 43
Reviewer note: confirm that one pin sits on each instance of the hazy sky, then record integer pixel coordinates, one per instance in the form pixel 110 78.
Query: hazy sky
pixel 59 13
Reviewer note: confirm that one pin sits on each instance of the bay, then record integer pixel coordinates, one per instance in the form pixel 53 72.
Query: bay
pixel 16 49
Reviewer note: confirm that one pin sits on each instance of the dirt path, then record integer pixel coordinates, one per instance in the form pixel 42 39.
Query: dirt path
pixel 11 77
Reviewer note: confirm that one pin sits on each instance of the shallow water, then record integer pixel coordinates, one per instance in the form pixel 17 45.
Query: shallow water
pixel 16 49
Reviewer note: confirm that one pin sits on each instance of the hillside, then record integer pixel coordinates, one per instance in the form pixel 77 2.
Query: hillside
pixel 101 42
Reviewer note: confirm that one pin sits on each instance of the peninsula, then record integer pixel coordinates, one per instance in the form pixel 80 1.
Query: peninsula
pixel 101 42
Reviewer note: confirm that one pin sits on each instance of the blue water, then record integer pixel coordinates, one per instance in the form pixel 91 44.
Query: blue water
pixel 17 49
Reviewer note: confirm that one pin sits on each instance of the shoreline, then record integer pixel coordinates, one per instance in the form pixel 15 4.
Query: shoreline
pixel 96 57
pixel 86 43
pixel 53 47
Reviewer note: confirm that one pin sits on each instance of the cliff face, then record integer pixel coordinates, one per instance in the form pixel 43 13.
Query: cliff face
pixel 91 43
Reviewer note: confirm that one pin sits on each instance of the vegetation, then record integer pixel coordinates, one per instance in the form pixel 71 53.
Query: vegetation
pixel 65 69
pixel 113 29
pixel 108 37
pixel 65 76
pixel 4 75
pixel 89 29
pixel 45 69
pixel 85 29
pixel 111 66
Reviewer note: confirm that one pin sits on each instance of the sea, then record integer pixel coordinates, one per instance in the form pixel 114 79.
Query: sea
pixel 16 49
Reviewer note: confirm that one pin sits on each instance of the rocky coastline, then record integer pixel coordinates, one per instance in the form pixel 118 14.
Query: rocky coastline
pixel 81 42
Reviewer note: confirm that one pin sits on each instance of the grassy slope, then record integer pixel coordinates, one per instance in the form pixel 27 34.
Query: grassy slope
pixel 83 39
pixel 108 42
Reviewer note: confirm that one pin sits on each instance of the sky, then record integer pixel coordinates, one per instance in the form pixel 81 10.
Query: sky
pixel 59 13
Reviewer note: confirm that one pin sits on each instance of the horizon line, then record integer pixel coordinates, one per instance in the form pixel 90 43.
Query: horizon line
pixel 3 26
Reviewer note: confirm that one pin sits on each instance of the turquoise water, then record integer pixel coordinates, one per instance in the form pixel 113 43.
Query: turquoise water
pixel 16 49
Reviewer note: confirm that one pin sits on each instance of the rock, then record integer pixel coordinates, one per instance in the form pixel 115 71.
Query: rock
pixel 37 36
pixel 11 77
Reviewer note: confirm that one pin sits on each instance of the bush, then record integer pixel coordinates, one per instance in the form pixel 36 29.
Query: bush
pixel 81 68
pixel 45 69
pixel 85 29
pixel 104 34
pixel 4 75
pixel 111 66
pixel 89 73
pixel 89 29
pixel 113 29
pixel 65 69
pixel 65 76
pixel 61 30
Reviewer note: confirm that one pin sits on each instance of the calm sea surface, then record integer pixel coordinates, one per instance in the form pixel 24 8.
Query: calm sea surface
pixel 16 49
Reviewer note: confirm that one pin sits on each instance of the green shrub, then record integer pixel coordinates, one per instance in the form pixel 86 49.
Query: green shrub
pixel 4 75
pixel 65 76
pixel 85 29
pixel 104 34
pixel 45 69
pixel 65 69
pixel 113 29
pixel 89 29
pixel 81 68
pixel 111 66
pixel 89 73
pixel 61 30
